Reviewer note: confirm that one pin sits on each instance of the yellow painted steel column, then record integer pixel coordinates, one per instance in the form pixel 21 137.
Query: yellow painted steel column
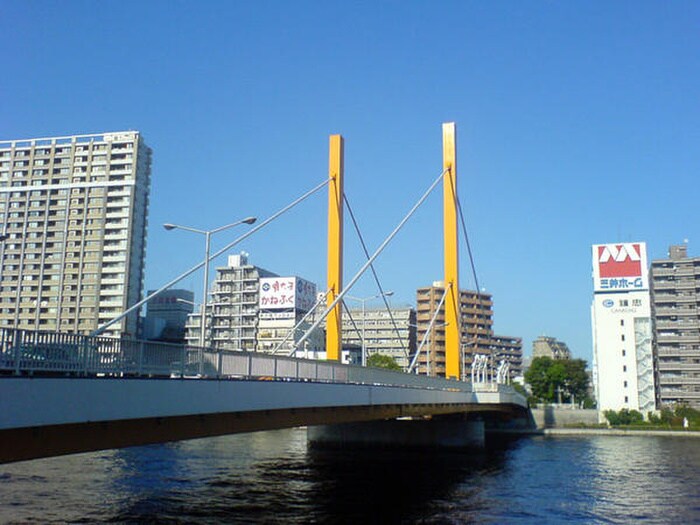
pixel 452 317
pixel 334 336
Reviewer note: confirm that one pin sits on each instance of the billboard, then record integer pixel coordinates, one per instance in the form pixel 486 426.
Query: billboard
pixel 620 267
pixel 281 293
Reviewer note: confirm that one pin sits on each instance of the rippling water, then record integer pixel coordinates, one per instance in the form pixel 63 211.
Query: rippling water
pixel 270 477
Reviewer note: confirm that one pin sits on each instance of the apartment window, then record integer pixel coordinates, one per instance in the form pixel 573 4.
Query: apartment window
pixel 627 399
pixel 622 322
pixel 624 353
pixel 624 368
pixel 625 384
pixel 622 337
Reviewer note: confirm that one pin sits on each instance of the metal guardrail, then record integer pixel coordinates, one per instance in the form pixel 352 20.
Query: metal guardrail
pixel 24 352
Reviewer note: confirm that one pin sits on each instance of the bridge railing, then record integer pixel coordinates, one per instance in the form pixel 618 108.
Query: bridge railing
pixel 33 352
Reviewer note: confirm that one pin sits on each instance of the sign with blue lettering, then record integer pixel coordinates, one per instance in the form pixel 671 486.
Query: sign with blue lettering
pixel 622 284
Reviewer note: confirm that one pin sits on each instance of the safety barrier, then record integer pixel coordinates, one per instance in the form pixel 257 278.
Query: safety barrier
pixel 24 352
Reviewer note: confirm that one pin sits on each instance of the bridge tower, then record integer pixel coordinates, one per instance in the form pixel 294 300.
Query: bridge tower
pixel 452 315
pixel 335 247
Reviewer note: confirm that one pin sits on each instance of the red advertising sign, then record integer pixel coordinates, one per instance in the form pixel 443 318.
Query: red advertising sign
pixel 620 260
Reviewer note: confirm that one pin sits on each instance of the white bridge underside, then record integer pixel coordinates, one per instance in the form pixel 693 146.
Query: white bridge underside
pixel 48 416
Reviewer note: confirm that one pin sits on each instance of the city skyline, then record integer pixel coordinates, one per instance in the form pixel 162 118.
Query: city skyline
pixel 575 126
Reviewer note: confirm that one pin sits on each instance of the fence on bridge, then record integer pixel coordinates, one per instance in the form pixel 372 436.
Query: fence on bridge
pixel 24 352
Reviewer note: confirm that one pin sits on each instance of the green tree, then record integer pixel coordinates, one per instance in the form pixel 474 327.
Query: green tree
pixel 383 361
pixel 537 376
pixel 562 380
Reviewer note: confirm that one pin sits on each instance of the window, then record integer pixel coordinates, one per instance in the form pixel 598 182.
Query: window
pixel 627 399
pixel 622 322
pixel 624 368
pixel 624 353
pixel 622 337
pixel 625 384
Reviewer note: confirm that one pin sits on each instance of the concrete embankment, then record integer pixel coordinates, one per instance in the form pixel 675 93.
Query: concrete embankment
pixel 614 432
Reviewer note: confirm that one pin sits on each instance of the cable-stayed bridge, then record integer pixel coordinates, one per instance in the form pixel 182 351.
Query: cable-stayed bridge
pixel 67 393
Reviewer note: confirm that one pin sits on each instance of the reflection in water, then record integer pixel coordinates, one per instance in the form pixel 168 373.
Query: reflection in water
pixel 270 477
pixel 628 483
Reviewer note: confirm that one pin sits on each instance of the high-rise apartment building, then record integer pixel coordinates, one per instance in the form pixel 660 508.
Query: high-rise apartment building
pixel 395 338
pixel 477 336
pixel 623 368
pixel 550 347
pixel 74 212
pixel 675 292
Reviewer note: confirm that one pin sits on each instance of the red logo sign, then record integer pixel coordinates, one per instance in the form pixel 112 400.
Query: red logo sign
pixel 620 260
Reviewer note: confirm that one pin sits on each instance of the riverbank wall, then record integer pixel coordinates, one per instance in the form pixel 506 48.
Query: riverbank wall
pixel 563 416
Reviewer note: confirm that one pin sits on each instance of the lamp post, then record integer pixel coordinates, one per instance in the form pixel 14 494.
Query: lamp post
pixel 207 234
pixel 363 300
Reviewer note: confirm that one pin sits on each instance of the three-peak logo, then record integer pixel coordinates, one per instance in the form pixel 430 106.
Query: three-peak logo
pixel 620 260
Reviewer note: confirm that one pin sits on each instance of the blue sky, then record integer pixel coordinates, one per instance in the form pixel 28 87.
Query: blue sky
pixel 578 123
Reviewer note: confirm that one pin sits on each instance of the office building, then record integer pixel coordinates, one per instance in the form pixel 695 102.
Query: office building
pixel 550 347
pixel 477 335
pixel 166 315
pixel 391 333
pixel 74 212
pixel 623 371
pixel 675 293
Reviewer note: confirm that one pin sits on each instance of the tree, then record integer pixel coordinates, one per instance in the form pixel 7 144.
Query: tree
pixel 562 380
pixel 383 361
pixel 537 376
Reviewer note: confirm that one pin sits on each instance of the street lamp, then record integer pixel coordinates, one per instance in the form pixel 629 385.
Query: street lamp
pixel 363 300
pixel 207 234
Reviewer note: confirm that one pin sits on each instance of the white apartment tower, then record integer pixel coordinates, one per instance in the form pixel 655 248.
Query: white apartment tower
pixel 74 213
pixel 232 319
pixel 623 371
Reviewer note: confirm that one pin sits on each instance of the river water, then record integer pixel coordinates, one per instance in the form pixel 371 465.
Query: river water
pixel 271 477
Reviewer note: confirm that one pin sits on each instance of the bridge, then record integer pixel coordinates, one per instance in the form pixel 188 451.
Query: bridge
pixel 64 393
pixel 69 393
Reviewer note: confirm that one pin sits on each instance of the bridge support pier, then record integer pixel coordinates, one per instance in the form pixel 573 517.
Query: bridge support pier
pixel 446 432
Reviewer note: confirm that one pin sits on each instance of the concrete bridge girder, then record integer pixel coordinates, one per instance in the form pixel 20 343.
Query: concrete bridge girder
pixel 54 416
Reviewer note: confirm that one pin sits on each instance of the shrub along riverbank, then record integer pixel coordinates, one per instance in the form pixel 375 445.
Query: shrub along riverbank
pixel 680 417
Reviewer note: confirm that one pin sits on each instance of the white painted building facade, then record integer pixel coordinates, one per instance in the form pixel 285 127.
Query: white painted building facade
pixel 623 371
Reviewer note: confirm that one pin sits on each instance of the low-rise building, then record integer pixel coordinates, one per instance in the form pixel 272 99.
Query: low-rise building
pixel 550 347
pixel 389 332
pixel 166 315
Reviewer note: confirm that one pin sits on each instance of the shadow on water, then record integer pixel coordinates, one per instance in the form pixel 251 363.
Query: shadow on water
pixel 272 477
pixel 396 486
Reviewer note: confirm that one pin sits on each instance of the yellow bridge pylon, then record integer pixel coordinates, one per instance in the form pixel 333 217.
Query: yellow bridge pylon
pixel 451 258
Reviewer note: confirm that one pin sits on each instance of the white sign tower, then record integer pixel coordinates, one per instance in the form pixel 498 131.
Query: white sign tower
pixel 623 371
